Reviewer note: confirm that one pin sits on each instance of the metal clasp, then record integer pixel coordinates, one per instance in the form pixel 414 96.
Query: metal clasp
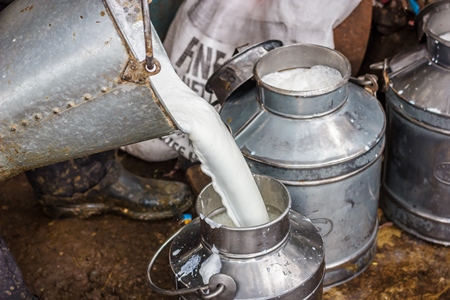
pixel 368 81
pixel 383 66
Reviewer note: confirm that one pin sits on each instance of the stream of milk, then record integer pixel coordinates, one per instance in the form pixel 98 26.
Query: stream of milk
pixel 217 151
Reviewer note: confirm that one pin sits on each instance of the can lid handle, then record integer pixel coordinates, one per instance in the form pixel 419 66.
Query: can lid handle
pixel 238 69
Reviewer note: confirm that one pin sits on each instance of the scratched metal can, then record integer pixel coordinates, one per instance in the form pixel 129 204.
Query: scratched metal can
pixel 281 259
pixel 416 184
pixel 324 145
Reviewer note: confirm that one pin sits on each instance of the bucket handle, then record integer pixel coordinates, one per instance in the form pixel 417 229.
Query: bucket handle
pixel 221 285
pixel 152 65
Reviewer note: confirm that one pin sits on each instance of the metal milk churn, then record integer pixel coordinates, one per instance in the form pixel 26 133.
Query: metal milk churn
pixel 282 259
pixel 416 184
pixel 324 145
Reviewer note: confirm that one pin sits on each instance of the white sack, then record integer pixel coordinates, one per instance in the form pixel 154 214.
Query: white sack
pixel 204 34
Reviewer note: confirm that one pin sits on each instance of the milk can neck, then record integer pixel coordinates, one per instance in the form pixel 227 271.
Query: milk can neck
pixel 246 241
pixel 437 29
pixel 305 103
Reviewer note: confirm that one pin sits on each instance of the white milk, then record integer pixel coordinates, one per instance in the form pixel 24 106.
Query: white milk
pixel 211 265
pixel 224 219
pixel 217 151
pixel 190 266
pixel 445 36
pixel 303 79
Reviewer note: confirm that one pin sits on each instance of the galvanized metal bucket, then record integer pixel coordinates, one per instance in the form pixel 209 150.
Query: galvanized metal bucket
pixel 73 81
pixel 282 259
pixel 325 145
pixel 416 184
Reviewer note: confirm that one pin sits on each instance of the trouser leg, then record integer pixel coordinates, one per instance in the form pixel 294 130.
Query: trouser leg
pixel 70 177
pixel 99 184
pixel 12 285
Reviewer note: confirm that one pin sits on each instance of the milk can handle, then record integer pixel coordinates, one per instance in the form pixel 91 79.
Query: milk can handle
pixel 217 287
pixel 383 67
pixel 152 65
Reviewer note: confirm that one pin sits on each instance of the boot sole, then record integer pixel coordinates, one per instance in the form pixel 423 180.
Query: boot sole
pixel 83 211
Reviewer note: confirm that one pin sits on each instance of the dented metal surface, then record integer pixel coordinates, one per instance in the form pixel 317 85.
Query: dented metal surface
pixel 416 183
pixel 127 14
pixel 132 18
pixel 282 259
pixel 325 145
pixel 61 88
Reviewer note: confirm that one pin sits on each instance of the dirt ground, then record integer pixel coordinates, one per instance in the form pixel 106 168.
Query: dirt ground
pixel 106 257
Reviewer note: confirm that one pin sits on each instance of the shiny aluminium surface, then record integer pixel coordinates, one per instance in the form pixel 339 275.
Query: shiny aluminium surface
pixel 324 145
pixel 62 89
pixel 282 259
pixel 416 184
pixel 424 15
pixel 314 103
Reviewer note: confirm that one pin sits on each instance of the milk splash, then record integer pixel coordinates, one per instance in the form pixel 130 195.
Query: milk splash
pixel 211 266
pixel 217 151
pixel 304 79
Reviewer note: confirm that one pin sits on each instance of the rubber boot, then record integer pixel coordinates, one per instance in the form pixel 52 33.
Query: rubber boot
pixel 12 285
pixel 99 184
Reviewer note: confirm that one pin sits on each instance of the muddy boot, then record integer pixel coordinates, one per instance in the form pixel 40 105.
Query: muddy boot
pixel 99 184
pixel 12 285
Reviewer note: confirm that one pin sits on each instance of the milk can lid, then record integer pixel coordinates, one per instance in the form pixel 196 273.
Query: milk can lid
pixel 238 69
pixel 418 85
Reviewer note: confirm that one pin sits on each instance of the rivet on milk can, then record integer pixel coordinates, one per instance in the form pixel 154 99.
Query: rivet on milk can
pixel 282 259
pixel 325 145
pixel 58 101
pixel 416 183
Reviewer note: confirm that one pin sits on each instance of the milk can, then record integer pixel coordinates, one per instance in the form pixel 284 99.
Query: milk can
pixel 416 184
pixel 282 259
pixel 324 145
